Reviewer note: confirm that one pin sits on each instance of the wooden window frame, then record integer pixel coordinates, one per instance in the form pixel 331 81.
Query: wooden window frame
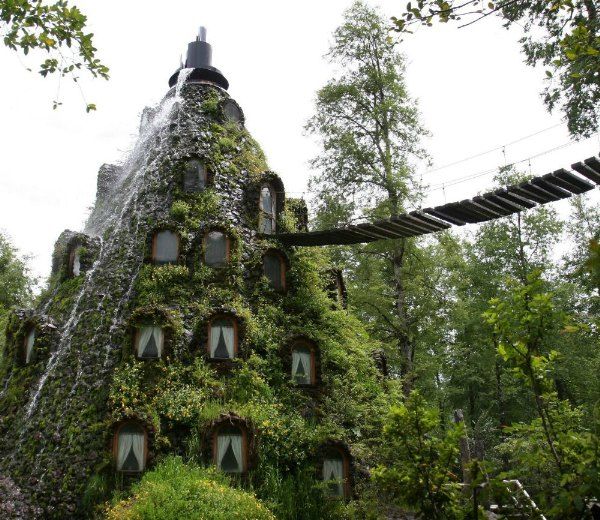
pixel 283 265
pixel 245 454
pixel 227 248
pixel 115 447
pixel 235 337
pixel 154 237
pixel 346 488
pixel 136 338
pixel 313 361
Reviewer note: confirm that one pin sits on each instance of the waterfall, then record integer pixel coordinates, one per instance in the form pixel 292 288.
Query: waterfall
pixel 126 194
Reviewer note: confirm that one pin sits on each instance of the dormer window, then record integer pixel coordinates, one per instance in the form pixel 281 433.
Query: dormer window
pixel 149 342
pixel 222 338
pixel 75 261
pixel 165 247
pixel 230 449
pixel 274 268
pixel 232 111
pixel 267 205
pixel 195 176
pixel 28 345
pixel 303 364
pixel 130 448
pixel 336 474
pixel 216 249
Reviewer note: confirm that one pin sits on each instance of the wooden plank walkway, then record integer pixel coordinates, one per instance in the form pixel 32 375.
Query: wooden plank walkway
pixel 551 187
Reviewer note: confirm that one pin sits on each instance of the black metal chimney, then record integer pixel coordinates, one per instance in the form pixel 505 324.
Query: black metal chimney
pixel 199 58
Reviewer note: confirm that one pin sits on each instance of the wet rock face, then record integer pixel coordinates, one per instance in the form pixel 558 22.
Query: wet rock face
pixel 13 504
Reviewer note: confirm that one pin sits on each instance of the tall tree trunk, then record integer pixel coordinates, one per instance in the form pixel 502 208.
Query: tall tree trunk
pixel 405 344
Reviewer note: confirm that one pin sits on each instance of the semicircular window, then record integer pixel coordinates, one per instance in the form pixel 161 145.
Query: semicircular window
pixel 131 448
pixel 28 346
pixel 216 249
pixel 165 247
pixel 303 365
pixel 222 338
pixel 266 221
pixel 274 269
pixel 149 342
pixel 232 112
pixel 230 449
pixel 334 474
pixel 195 176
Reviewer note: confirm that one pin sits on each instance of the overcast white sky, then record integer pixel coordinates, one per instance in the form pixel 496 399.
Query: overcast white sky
pixel 475 94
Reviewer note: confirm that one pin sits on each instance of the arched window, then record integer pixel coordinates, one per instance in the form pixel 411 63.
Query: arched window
pixel 149 342
pixel 232 111
pixel 222 338
pixel 75 261
pixel 28 345
pixel 130 448
pixel 195 176
pixel 165 247
pixel 230 449
pixel 268 201
pixel 274 268
pixel 303 364
pixel 216 249
pixel 336 473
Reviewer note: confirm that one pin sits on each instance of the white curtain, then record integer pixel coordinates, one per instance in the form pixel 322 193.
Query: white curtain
pixel 76 263
pixel 138 449
pixel 228 335
pixel 144 336
pixel 29 345
pixel 223 443
pixel 267 213
pixel 125 444
pixel 333 472
pixel 304 356
pixel 127 441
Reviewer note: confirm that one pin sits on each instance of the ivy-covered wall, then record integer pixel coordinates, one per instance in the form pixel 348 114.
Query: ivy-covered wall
pixel 58 413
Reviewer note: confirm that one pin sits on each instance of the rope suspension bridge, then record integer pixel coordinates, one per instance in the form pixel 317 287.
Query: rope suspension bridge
pixel 557 185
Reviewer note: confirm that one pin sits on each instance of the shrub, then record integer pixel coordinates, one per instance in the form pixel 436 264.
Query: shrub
pixel 175 490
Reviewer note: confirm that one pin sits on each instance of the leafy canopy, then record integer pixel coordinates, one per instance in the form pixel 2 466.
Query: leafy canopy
pixel 562 35
pixel 56 29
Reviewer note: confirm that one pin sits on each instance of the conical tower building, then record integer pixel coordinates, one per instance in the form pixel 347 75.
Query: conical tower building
pixel 177 323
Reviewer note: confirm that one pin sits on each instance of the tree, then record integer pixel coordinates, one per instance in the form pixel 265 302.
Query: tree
pixel 15 282
pixel 563 35
pixel 370 132
pixel 421 467
pixel 57 29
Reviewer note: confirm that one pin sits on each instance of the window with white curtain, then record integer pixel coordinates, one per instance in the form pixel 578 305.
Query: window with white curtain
pixel 274 269
pixel 302 365
pixel 195 176
pixel 131 455
pixel 267 210
pixel 230 449
pixel 28 346
pixel 165 248
pixel 333 474
pixel 222 338
pixel 150 341
pixel 216 245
